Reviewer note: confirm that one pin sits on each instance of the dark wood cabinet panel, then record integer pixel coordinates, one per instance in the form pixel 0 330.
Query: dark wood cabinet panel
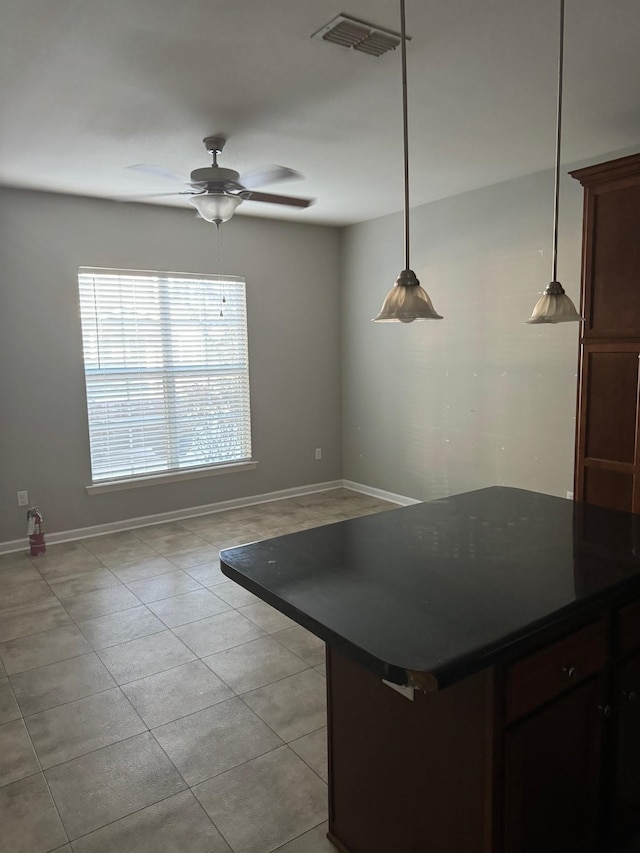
pixel 608 488
pixel 552 784
pixel 607 470
pixel 625 800
pixel 615 292
pixel 611 405
pixel 607 452
pixel 534 680
pixel 408 775
pixel 629 628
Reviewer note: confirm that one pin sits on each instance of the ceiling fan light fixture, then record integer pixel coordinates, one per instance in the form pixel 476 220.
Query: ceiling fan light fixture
pixel 554 306
pixel 406 302
pixel 216 207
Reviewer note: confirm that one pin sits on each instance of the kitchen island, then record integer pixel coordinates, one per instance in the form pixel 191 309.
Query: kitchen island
pixel 483 661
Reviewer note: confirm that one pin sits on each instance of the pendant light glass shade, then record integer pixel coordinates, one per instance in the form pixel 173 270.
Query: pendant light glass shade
pixel 216 207
pixel 554 306
pixel 406 301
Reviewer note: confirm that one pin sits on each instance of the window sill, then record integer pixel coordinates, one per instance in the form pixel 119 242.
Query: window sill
pixel 169 477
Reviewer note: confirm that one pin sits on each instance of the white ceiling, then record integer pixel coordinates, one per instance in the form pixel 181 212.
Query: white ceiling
pixel 90 87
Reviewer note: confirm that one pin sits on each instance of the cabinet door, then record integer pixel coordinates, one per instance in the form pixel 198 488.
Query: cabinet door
pixel 607 463
pixel 552 789
pixel 613 261
pixel 625 803
pixel 611 249
pixel 608 452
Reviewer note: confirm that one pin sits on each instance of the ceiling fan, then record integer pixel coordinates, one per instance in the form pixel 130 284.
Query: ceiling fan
pixel 216 192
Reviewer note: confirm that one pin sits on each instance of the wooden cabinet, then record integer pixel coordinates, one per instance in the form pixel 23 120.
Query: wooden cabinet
pixel 540 677
pixel 625 787
pixel 607 447
pixel 608 464
pixel 556 716
pixel 540 755
pixel 409 775
pixel 624 781
pixel 553 775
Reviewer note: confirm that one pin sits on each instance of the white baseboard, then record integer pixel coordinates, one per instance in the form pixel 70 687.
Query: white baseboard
pixel 174 515
pixel 379 493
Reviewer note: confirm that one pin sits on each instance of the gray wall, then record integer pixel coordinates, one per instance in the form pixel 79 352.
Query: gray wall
pixel 478 398
pixel 292 273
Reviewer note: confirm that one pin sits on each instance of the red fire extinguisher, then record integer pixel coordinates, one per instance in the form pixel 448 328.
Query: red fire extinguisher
pixel 35 531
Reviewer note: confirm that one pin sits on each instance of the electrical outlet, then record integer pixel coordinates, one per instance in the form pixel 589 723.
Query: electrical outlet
pixel 23 498
pixel 318 454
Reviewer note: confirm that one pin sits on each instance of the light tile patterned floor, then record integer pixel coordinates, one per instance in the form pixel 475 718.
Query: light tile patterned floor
pixel 148 704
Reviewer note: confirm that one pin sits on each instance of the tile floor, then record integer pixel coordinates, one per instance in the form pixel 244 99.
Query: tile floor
pixel 150 705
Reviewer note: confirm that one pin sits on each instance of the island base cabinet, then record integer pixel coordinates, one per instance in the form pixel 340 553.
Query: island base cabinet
pixel 625 800
pixel 445 772
pixel 408 776
pixel 552 781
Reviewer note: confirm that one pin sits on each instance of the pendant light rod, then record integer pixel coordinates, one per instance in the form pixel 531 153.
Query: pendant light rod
pixel 405 129
pixel 406 301
pixel 554 306
pixel 556 184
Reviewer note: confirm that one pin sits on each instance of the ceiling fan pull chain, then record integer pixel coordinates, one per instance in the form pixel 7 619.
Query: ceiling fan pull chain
pixel 220 264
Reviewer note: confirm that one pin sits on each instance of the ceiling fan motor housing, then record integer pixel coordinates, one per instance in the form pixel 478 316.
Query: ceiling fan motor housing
pixel 214 175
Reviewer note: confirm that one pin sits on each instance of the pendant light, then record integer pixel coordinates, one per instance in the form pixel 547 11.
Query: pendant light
pixel 554 306
pixel 406 301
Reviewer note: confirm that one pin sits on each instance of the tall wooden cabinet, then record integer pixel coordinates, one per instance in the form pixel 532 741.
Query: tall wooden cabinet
pixel 607 469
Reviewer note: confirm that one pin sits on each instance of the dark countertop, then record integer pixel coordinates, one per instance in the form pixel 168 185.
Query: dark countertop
pixel 433 592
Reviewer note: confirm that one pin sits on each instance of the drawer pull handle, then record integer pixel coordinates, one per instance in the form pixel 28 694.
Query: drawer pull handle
pixel 607 710
pixel 570 671
pixel 630 696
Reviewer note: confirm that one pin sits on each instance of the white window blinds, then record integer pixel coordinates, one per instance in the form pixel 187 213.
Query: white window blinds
pixel 167 371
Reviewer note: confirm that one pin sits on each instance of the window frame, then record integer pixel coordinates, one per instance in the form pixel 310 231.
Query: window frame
pixel 167 370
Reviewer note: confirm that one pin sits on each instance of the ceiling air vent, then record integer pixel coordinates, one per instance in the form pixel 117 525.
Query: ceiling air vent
pixel 359 35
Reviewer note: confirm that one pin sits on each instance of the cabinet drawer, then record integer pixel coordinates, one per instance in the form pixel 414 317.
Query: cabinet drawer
pixel 543 675
pixel 629 628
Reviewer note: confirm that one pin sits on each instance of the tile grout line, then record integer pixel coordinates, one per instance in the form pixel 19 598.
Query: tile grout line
pixel 136 811
pixel 97 749
pixel 222 835
pixel 149 729
pixel 304 759
pixel 76 624
pixel 115 686
pixel 165 598
pixel 260 686
pixel 42 773
pixel 283 745
pixel 120 684
pixel 282 846
pixel 188 786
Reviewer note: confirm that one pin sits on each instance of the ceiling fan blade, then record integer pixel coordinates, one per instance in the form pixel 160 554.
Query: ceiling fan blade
pixel 281 199
pixel 268 175
pixel 153 195
pixel 156 171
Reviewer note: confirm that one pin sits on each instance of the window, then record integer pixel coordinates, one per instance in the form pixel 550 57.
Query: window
pixel 167 371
